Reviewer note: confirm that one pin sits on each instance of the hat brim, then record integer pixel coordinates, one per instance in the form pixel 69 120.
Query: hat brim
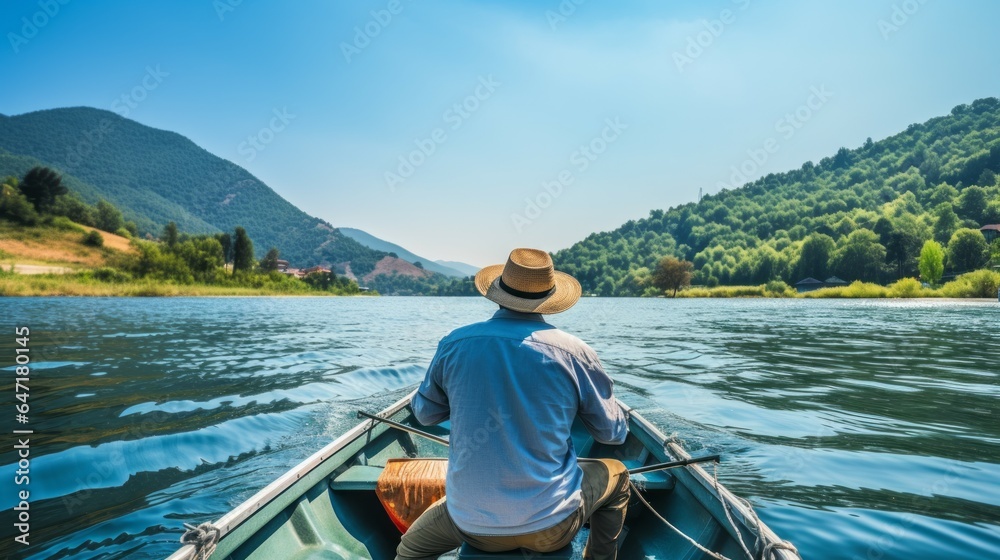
pixel 566 293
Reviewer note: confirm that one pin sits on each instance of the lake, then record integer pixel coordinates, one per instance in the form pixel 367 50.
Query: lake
pixel 858 429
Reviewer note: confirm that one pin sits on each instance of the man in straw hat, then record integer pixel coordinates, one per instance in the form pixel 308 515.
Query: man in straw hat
pixel 512 387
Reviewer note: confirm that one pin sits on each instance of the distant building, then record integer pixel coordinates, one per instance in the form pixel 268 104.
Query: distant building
pixel 990 232
pixel 808 285
pixel 834 282
pixel 282 265
pixel 312 269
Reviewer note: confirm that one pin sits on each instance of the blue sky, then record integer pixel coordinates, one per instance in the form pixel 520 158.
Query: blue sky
pixel 618 107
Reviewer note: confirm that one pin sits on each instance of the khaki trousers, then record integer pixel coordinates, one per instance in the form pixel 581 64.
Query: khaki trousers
pixel 605 492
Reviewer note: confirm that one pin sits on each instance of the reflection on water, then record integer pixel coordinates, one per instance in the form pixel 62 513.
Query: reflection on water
pixel 858 429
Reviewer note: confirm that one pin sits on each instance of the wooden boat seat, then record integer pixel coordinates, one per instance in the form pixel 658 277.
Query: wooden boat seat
pixel 357 477
pixel 655 480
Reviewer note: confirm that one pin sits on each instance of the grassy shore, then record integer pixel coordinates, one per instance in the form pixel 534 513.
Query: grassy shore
pixel 109 268
pixel 82 285
pixel 978 284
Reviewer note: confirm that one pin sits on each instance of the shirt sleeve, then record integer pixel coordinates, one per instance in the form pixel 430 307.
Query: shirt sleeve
pixel 600 413
pixel 430 403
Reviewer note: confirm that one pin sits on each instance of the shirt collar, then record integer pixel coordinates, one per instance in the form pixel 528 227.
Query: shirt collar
pixel 517 315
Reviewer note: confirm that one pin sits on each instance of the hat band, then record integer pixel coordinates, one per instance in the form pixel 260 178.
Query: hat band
pixel 525 295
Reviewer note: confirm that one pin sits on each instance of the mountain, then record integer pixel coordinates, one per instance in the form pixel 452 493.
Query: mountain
pixel 860 214
pixel 156 176
pixel 372 242
pixel 463 268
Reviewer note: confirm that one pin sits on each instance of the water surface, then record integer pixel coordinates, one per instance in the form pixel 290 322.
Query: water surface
pixel 858 429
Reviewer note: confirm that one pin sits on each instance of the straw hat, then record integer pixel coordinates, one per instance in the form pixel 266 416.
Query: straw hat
pixel 528 283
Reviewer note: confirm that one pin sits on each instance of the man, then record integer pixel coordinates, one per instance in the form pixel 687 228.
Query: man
pixel 512 387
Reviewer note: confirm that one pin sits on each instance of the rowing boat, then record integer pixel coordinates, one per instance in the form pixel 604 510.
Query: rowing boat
pixel 330 506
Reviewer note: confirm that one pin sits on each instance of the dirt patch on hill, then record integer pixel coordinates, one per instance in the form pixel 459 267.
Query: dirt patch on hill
pixel 390 265
pixel 49 246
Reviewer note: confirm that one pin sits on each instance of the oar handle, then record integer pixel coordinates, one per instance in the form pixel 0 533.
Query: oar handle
pixel 404 427
pixel 443 441
pixel 674 464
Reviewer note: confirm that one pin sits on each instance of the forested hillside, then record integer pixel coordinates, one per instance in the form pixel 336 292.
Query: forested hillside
pixel 156 177
pixel 862 214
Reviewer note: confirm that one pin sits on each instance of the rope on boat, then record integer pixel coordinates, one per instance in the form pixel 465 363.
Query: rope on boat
pixel 770 548
pixel 693 542
pixel 779 545
pixel 754 521
pixel 204 538
pixel 725 508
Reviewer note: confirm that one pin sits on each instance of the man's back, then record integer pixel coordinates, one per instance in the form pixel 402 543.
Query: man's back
pixel 512 387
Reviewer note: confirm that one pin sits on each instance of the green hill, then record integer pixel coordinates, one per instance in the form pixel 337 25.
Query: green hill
pixel 155 176
pixel 862 214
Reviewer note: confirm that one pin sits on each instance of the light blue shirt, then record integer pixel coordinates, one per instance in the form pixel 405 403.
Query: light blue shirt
pixel 511 387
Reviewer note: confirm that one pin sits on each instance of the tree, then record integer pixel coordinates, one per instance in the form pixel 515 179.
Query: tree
pixel 41 186
pixel 946 222
pixel 15 206
pixel 170 234
pixel 242 251
pixel 859 256
pixel 74 209
pixel 943 193
pixel 931 262
pixel 93 238
pixel 814 257
pixel 226 241
pixel 992 213
pixel 902 237
pixel 672 274
pixel 202 254
pixel 107 217
pixel 419 265
pixel 967 250
pixel 270 261
pixel 972 204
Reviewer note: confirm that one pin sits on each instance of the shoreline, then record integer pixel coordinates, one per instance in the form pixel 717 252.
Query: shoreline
pixel 54 285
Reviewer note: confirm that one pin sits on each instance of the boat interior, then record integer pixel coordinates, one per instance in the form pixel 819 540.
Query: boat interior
pixel 337 514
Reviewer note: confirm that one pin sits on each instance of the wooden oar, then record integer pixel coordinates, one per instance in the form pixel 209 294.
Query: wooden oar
pixel 443 441
pixel 404 427
pixel 674 464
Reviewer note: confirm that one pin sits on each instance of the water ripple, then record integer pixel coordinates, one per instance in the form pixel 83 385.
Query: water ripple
pixel 858 428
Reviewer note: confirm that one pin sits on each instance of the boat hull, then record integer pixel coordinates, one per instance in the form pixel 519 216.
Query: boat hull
pixel 326 506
